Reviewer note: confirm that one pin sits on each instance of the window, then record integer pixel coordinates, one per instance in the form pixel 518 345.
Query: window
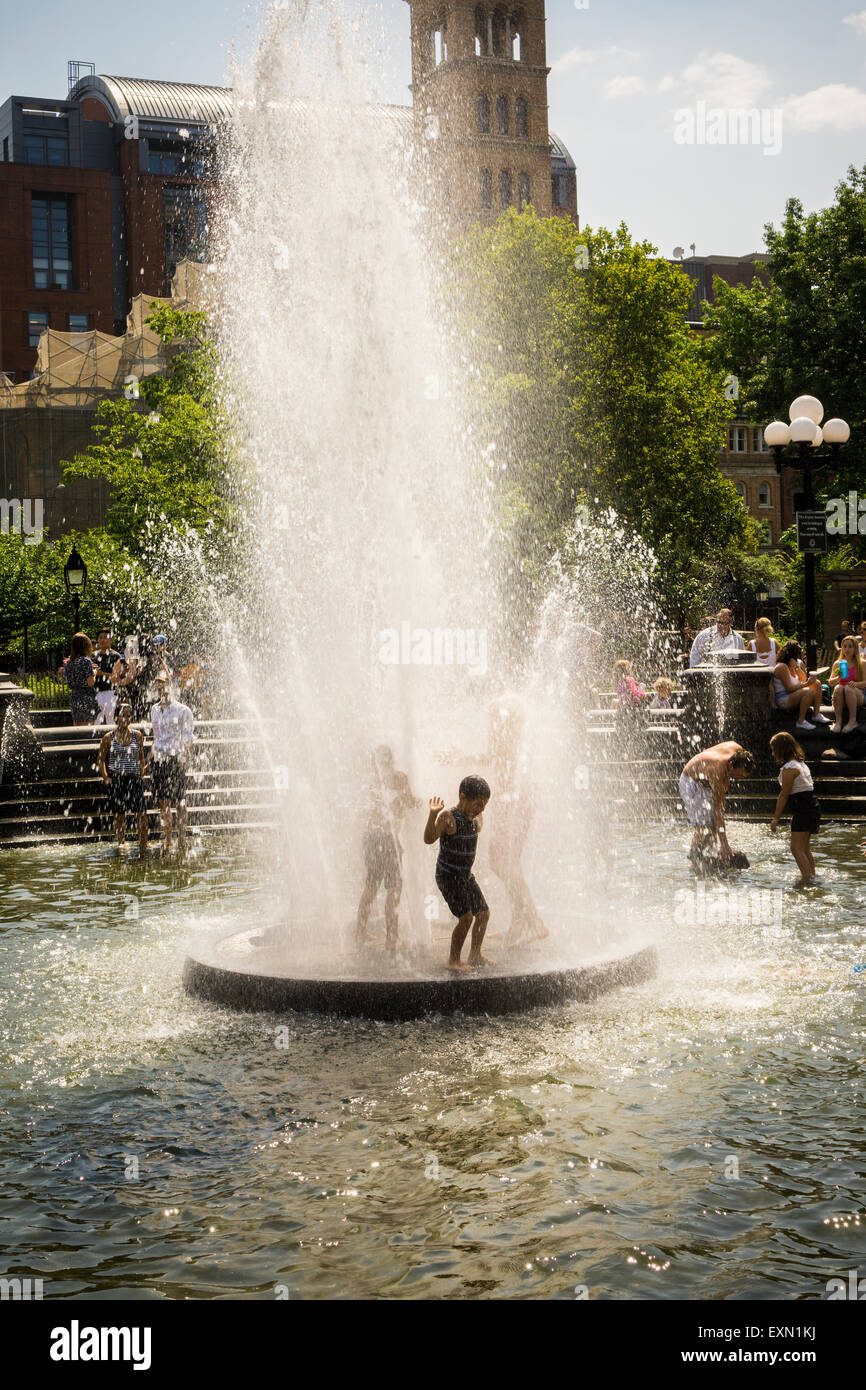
pixel 46 149
pixel 440 47
pixel 173 157
pixel 483 115
pixel 5 149
pixel 523 191
pixel 36 326
pixel 502 115
pixel 737 440
pixel 481 43
pixel 764 495
pixel 760 446
pixel 741 489
pixel 79 323
pixel 560 190
pixel 521 119
pixel 767 537
pixel 505 189
pixel 186 227
pixel 52 243
pixel 486 188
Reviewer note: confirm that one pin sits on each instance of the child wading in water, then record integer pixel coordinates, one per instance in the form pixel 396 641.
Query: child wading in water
pixel 795 779
pixel 457 831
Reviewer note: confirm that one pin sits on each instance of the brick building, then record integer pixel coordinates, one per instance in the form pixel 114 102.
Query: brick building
pixel 479 88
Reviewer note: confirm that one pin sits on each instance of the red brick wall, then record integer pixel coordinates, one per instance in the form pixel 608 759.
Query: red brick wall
pixel 91 251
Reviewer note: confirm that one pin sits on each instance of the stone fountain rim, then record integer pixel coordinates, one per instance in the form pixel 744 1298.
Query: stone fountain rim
pixel 407 999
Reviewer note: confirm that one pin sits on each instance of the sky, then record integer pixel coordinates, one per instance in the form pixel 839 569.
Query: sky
pixel 641 92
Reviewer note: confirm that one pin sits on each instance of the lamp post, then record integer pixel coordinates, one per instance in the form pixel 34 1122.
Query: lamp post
pixel 75 578
pixel 806 435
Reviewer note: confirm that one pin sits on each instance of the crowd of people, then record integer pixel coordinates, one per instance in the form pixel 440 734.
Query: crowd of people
pixel 119 690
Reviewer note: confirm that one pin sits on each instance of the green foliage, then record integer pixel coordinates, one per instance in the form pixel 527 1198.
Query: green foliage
pixel 163 454
pixel 806 331
pixel 593 390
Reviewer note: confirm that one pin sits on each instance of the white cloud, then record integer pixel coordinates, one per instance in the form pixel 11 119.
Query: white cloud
pixel 857 21
pixel 624 86
pixel 578 57
pixel 843 108
pixel 667 84
pixel 723 79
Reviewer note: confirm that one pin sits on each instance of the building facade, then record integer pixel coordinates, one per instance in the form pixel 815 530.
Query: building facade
pixel 479 88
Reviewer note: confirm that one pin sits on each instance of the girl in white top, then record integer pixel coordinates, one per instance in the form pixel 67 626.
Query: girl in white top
pixel 797 792
pixel 763 646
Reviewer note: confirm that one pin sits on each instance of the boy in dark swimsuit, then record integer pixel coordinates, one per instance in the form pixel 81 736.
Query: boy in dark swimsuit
pixel 457 831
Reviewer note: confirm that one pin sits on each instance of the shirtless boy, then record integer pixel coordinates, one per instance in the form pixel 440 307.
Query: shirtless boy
pixel 457 831
pixel 703 788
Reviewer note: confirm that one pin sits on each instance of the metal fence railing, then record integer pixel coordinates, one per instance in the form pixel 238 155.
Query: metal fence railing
pixel 50 693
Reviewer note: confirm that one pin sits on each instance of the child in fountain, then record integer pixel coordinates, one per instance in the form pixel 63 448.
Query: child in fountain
pixel 798 793
pixel 390 797
pixel 457 831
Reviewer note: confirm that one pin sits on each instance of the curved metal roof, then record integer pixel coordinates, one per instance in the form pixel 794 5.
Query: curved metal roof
pixel 157 101
pixel 559 151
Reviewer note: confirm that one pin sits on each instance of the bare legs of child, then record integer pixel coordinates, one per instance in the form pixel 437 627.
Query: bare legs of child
pixel 478 922
pixel 803 854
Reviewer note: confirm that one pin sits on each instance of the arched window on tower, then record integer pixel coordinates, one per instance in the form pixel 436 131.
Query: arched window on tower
pixel 505 198
pixel 521 119
pixel 501 115
pixel 486 188
pixel 483 114
pixel 515 35
pixel 440 43
pixel 523 191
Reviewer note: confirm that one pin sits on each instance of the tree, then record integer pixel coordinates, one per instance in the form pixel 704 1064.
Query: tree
pixel 806 330
pixel 586 381
pixel 163 451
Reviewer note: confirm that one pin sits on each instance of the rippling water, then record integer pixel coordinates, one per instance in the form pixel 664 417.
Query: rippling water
pixel 698 1137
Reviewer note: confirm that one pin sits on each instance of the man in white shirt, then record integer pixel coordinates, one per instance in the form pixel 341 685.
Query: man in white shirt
pixel 719 638
pixel 173 731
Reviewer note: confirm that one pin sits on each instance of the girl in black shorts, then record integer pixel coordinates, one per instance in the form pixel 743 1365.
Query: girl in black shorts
pixel 798 791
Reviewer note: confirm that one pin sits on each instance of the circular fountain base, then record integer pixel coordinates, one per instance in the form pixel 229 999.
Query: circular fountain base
pixel 236 973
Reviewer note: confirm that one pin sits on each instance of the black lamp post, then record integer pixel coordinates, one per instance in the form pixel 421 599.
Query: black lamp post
pixel 807 435
pixel 75 578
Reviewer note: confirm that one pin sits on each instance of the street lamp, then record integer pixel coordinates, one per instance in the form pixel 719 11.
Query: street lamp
pixel 75 578
pixel 806 434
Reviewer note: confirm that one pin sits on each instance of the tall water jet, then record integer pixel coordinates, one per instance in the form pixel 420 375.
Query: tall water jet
pixel 372 613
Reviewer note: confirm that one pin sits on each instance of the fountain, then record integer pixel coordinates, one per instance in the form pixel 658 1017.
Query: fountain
pixel 373 591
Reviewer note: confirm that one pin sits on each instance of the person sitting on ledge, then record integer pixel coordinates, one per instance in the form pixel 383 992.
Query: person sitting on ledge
pixel 629 695
pixel 794 690
pixel 720 637
pixel 704 784
pixel 847 690
pixel 458 831
pixel 763 645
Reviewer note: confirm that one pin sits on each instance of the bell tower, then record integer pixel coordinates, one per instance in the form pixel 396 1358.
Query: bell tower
pixel 479 86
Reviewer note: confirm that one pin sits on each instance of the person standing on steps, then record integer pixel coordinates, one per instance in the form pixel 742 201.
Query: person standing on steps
pixel 720 637
pixel 106 659
pixel 173 732
pixel 120 764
